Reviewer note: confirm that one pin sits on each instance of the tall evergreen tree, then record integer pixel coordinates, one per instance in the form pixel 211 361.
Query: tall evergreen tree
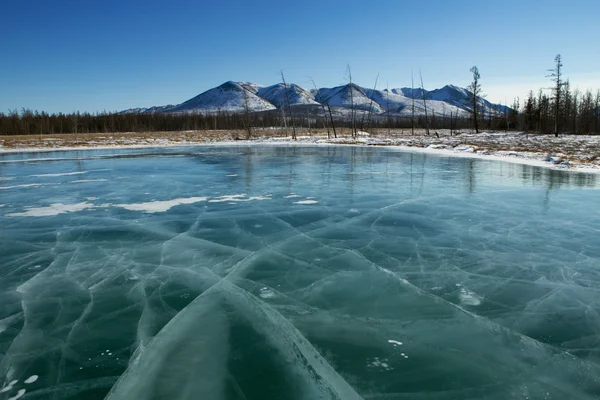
pixel 556 77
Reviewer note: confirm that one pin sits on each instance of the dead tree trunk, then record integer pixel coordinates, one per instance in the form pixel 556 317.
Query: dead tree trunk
pixel 247 123
pixel 318 99
pixel 412 95
pixel 287 100
pixel 332 123
pixel 424 104
pixel 352 112
pixel 370 106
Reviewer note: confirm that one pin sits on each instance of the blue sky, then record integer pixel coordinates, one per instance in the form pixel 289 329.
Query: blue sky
pixel 112 55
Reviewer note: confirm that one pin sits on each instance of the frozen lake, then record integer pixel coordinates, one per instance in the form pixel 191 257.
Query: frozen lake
pixel 272 272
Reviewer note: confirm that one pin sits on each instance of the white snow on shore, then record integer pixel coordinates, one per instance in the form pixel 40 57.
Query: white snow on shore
pixel 445 145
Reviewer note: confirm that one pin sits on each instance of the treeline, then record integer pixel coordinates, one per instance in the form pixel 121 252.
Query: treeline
pixel 578 113
pixel 28 122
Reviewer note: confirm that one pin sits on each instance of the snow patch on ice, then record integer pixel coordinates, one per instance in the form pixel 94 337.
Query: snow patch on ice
pixel 469 298
pixel 238 198
pixel 88 180
pixel 62 174
pixel 266 293
pixel 306 202
pixel 160 206
pixel 24 185
pixel 52 209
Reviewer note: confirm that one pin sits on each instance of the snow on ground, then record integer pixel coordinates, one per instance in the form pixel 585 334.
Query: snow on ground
pixel 572 152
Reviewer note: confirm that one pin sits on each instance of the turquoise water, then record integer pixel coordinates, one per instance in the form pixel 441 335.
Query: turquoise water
pixel 296 273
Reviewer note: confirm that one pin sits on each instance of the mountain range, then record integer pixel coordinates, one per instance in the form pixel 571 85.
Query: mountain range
pixel 234 97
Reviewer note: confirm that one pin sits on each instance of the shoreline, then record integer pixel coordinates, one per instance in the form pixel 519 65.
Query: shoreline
pixel 444 148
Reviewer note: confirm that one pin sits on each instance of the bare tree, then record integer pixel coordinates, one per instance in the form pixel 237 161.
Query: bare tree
pixel 332 123
pixel 387 108
pixel 597 111
pixel 412 96
pixel 283 116
pixel 424 103
pixel 370 111
pixel 247 123
pixel 319 100
pixel 352 111
pixel 556 76
pixel 289 107
pixel 475 91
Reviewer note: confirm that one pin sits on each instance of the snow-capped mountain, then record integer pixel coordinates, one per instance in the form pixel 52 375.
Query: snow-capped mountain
pixel 275 94
pixel 399 104
pixel 155 109
pixel 229 97
pixel 233 97
pixel 347 96
pixel 453 95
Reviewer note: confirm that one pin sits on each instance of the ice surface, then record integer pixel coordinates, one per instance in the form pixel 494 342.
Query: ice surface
pixel 190 273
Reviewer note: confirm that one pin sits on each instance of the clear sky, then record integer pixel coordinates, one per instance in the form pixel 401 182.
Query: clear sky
pixel 94 55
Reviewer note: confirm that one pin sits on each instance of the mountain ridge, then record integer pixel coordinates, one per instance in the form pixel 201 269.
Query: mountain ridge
pixel 234 97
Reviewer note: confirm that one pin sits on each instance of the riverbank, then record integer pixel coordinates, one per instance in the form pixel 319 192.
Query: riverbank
pixel 571 152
